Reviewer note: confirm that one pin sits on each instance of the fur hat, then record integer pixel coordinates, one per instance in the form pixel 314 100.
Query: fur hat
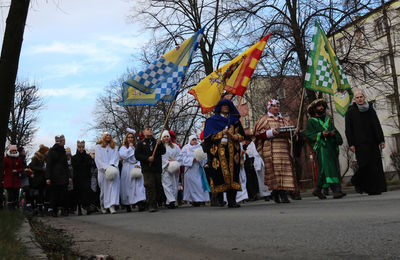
pixel 165 133
pixel 199 154
pixel 173 166
pixel 43 149
pixel 136 173
pixel 111 172
pixel 59 138
pixel 130 130
pixel 315 103
pixel 80 143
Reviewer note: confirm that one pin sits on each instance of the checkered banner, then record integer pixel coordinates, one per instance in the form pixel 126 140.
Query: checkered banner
pixel 162 79
pixel 324 73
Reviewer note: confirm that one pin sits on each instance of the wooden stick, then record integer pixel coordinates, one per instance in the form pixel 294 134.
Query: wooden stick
pixel 165 123
pixel 301 107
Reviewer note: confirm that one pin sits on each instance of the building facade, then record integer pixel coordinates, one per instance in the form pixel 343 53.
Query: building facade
pixel 362 47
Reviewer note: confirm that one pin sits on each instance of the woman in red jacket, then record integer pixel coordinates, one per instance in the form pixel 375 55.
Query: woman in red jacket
pixel 12 167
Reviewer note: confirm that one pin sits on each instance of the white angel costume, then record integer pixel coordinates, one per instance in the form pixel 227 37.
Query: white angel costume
pixel 170 175
pixel 109 189
pixel 193 188
pixel 132 189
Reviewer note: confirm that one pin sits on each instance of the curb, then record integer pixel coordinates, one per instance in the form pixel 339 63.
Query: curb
pixel 26 236
pixel 347 189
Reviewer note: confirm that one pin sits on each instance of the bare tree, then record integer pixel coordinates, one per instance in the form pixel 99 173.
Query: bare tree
pixel 114 118
pixel 24 114
pixel 9 60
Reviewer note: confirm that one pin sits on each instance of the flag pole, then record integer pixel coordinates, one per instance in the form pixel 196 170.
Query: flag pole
pixel 162 130
pixel 301 107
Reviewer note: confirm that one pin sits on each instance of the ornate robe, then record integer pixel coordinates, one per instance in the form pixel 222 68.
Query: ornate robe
pixel 224 160
pixel 279 170
pixel 326 149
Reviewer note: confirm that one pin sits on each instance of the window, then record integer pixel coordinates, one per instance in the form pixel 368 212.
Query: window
pixel 341 45
pixel 367 73
pixel 280 92
pixel 391 104
pixel 386 64
pixel 380 29
pixel 397 140
pixel 359 36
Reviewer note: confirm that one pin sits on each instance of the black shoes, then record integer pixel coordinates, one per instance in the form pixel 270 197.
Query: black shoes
pixel 171 205
pixel 234 205
pixel 317 193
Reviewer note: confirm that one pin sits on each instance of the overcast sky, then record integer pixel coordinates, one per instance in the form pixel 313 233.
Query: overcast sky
pixel 72 49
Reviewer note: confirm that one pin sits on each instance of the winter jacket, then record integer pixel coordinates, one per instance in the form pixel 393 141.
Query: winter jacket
pixel 57 166
pixel 37 165
pixel 11 179
pixel 144 150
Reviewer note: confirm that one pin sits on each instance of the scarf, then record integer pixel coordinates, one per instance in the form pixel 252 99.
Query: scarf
pixel 364 107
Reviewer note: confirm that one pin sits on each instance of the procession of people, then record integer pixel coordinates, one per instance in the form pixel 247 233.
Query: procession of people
pixel 147 173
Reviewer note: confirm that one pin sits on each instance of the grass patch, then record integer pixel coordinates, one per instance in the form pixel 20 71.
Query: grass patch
pixel 10 246
pixel 56 243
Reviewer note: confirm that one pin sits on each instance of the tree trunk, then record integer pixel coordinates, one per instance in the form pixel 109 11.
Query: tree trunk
pixel 9 60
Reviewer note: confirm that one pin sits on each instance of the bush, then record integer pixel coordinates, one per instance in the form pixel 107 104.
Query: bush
pixel 10 246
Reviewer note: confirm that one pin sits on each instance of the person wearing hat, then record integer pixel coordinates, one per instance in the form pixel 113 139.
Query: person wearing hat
pixel 58 176
pixel 107 159
pixel 151 163
pixel 365 138
pixel 132 188
pixel 194 190
pixel 275 148
pixel 37 180
pixel 82 164
pixel 12 167
pixel 324 140
pixel 171 168
pixel 223 133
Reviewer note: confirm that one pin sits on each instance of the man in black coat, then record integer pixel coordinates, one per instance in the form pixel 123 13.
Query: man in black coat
pixel 58 176
pixel 151 167
pixel 365 137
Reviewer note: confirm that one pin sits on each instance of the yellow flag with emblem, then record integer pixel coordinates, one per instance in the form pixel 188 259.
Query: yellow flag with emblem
pixel 232 77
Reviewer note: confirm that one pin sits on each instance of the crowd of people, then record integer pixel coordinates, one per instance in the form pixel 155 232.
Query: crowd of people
pixel 221 167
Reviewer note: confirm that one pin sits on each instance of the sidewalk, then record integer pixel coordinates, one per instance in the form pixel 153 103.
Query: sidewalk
pixel 27 238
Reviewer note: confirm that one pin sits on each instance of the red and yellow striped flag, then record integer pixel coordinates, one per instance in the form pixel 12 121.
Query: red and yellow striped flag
pixel 233 77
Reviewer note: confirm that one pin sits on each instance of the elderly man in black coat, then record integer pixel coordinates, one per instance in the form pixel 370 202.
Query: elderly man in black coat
pixel 365 138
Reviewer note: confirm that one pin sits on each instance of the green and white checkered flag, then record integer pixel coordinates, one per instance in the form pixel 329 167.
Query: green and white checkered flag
pixel 324 73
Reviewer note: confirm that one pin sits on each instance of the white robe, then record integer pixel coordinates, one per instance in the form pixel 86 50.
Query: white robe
pixel 259 168
pixel 242 195
pixel 170 181
pixel 132 190
pixel 193 189
pixel 104 157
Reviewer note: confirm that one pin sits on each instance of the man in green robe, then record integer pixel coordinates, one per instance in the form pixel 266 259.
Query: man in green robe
pixel 324 140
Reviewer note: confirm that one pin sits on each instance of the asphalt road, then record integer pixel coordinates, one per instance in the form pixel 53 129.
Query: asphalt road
pixel 356 227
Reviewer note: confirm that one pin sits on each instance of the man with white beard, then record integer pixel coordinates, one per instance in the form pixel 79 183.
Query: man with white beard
pixel 107 159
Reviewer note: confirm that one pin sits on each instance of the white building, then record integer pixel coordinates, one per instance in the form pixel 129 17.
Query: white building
pixel 362 48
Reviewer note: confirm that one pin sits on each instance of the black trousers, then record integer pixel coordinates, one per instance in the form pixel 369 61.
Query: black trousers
pixel 12 197
pixel 152 183
pixel 58 196
pixel 230 196
pixel 37 195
